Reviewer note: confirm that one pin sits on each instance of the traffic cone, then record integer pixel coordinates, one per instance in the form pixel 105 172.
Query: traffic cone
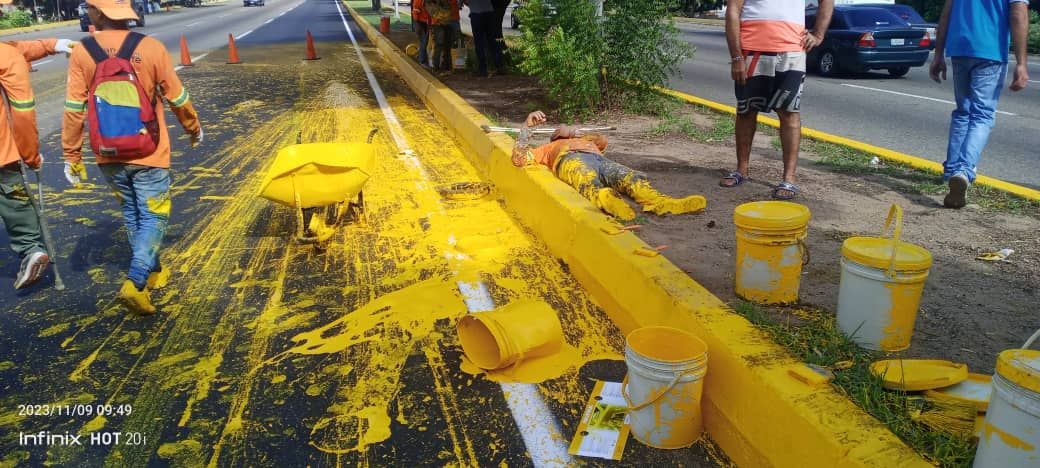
pixel 185 55
pixel 232 50
pixel 311 53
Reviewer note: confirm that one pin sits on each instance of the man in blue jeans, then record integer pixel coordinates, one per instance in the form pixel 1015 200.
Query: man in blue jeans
pixel 975 34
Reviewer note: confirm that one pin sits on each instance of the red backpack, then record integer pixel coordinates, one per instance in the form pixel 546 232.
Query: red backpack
pixel 120 117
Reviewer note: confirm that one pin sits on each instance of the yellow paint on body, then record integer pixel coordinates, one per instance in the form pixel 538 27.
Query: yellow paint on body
pixel 160 205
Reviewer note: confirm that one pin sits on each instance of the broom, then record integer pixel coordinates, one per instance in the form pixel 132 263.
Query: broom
pixel 943 415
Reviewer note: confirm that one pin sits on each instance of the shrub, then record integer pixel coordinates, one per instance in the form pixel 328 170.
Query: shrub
pixel 1033 44
pixel 16 19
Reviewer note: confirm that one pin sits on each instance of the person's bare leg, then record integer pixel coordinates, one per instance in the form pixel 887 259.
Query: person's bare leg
pixel 746 124
pixel 790 139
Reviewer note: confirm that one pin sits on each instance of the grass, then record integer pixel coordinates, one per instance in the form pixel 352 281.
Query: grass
pixel 812 336
pixel 843 159
pixel 675 122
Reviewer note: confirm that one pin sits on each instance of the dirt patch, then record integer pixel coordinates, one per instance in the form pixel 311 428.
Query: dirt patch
pixel 971 310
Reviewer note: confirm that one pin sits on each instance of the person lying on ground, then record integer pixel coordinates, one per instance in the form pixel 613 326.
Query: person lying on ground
pixel 19 143
pixel 578 160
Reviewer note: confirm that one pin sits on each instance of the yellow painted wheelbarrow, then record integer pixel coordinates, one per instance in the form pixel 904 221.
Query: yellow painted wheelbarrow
pixel 315 176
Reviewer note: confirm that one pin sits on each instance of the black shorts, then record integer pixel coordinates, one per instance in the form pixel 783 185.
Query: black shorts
pixel 775 81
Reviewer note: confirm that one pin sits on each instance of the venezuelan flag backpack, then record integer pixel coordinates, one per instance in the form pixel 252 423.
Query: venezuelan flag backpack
pixel 120 117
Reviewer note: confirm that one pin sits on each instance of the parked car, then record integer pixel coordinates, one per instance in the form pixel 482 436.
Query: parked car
pixel 514 21
pixel 249 3
pixel 84 19
pixel 910 15
pixel 867 38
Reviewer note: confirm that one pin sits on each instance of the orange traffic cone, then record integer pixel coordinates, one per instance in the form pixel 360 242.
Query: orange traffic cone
pixel 232 50
pixel 185 55
pixel 91 29
pixel 311 53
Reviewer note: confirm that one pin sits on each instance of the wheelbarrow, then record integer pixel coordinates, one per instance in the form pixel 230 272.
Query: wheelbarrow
pixel 318 178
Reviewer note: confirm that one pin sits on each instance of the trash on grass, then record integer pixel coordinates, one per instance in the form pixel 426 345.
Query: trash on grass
pixel 998 256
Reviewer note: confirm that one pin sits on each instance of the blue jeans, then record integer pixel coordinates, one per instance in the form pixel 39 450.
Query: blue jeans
pixel 145 195
pixel 976 87
pixel 423 30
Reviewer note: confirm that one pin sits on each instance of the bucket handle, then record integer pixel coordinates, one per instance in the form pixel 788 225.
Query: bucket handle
pixel 895 213
pixel 634 407
pixel 1032 339
pixel 805 252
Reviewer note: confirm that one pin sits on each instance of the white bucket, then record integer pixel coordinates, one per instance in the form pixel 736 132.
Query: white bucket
pixel 663 387
pixel 882 280
pixel 1010 435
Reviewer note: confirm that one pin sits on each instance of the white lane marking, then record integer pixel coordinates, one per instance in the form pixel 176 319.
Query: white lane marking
pixel 224 15
pixel 534 419
pixel 538 428
pixel 914 96
pixel 193 60
pixel 42 62
pixel 1033 81
pixel 240 36
pixel 191 24
pixel 269 21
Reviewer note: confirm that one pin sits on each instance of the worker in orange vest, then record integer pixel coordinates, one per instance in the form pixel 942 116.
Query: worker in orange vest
pixel 19 143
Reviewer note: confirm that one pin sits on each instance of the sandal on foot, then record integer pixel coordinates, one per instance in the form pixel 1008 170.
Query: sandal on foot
pixel 778 191
pixel 736 177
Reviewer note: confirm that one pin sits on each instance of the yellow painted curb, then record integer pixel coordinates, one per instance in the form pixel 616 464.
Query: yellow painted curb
pixel 37 27
pixel 753 408
pixel 915 162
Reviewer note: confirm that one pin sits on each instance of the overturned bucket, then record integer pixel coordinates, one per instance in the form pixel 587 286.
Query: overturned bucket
pixel 770 250
pixel 882 279
pixel 663 386
pixel 1010 435
pixel 506 336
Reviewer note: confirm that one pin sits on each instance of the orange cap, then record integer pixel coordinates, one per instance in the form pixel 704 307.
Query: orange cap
pixel 115 9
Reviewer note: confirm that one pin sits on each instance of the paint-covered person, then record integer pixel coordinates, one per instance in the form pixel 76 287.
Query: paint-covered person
pixel 482 20
pixel 578 160
pixel 142 184
pixel 421 24
pixel 768 42
pixel 19 143
pixel 975 35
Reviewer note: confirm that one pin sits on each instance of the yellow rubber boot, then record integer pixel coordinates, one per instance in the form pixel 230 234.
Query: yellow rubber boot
pixel 669 205
pixel 608 200
pixel 136 301
pixel 158 279
pixel 321 231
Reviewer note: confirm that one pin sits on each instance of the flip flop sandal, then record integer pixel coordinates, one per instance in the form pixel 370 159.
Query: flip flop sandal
pixel 785 186
pixel 736 177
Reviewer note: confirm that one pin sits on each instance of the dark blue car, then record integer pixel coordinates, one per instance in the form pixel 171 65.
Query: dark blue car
pixel 868 38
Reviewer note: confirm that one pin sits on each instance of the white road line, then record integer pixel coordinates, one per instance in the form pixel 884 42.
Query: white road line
pixel 1033 81
pixel 913 96
pixel 268 21
pixel 193 60
pixel 240 36
pixel 191 24
pixel 538 428
pixel 42 62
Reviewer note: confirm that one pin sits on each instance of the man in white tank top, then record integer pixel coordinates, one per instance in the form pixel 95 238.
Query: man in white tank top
pixel 768 42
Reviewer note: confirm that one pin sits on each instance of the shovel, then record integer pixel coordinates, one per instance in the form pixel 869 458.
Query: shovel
pixel 537 131
pixel 38 209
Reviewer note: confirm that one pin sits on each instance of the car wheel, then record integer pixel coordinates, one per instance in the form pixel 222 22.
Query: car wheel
pixel 898 71
pixel 828 63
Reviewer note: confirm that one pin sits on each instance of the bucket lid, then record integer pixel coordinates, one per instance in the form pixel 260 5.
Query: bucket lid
pixel 913 375
pixel 877 252
pixel 1020 367
pixel 975 390
pixel 771 215
pixel 666 344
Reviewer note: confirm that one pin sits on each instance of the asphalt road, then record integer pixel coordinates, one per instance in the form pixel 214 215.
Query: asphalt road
pixel 269 352
pixel 909 114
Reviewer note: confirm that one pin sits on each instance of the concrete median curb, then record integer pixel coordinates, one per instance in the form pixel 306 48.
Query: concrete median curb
pixel 37 27
pixel 753 408
pixel 915 162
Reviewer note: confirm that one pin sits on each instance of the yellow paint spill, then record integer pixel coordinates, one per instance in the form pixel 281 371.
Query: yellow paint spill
pixel 215 197
pixel 96 424
pixel 86 222
pixel 1008 438
pixel 186 453
pixel 278 379
pixel 159 206
pixel 54 330
pixel 5 365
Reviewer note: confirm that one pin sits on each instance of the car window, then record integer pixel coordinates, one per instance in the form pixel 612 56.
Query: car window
pixel 837 21
pixel 873 17
pixel 907 13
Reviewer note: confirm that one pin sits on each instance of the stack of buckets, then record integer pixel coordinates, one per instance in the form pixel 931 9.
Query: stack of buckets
pixel 1010 435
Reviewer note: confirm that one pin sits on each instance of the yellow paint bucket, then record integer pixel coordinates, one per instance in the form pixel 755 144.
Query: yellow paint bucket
pixel 770 250
pixel 663 387
pixel 505 336
pixel 882 279
pixel 1010 435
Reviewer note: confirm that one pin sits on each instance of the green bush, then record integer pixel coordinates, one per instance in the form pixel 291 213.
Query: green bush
pixel 1034 33
pixel 16 19
pixel 589 63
